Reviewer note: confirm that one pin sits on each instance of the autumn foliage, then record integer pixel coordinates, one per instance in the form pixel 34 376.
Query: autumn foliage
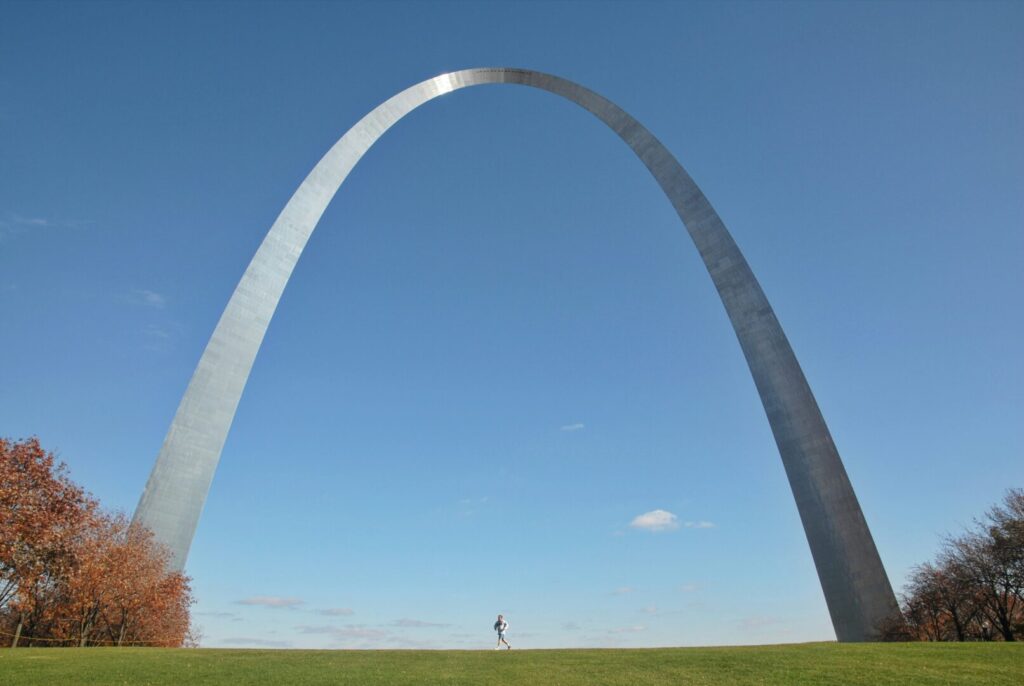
pixel 73 574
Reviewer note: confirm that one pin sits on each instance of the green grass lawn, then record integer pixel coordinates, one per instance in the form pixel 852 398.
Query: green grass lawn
pixel 814 663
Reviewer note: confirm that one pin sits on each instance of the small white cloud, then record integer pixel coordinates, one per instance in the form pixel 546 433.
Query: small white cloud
pixel 623 590
pixel 271 601
pixel 573 427
pixel 650 610
pixel 689 588
pixel 655 520
pixel 336 612
pixel 699 525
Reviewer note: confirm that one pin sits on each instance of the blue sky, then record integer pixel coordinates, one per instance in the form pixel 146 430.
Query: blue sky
pixel 500 347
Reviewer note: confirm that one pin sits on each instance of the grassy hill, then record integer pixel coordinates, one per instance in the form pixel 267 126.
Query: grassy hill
pixel 815 663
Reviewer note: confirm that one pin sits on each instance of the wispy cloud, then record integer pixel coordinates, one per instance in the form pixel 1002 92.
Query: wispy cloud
pixel 757 622
pixel 418 644
pixel 573 427
pixel 689 588
pixel 623 590
pixel 157 332
pixel 15 224
pixel 144 296
pixel 30 221
pixel 161 337
pixel 317 628
pixel 271 601
pixel 571 626
pixel 655 520
pixel 357 631
pixel 363 636
pixel 336 612
pixel 627 629
pixel 649 610
pixel 218 615
pixel 467 507
pixel 254 642
pixel 699 525
pixel 415 623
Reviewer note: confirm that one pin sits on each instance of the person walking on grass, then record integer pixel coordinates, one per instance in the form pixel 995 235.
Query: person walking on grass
pixel 501 626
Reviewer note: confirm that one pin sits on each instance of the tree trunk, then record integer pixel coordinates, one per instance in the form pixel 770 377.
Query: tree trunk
pixel 1005 627
pixel 85 635
pixel 120 636
pixel 17 632
pixel 958 626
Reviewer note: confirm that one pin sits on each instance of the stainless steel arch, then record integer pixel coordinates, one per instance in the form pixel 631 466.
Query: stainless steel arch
pixel 853 579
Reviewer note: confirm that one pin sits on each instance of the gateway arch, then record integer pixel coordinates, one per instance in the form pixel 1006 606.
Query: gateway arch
pixel 856 588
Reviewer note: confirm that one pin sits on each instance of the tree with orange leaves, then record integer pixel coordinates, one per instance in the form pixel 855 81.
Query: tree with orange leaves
pixel 40 512
pixel 71 574
pixel 87 588
pixel 147 604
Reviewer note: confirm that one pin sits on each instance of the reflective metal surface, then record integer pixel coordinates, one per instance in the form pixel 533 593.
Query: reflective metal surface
pixel 853 579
